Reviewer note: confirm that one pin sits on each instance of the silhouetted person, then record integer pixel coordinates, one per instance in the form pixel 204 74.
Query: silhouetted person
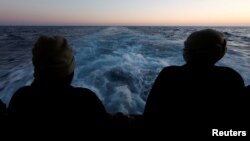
pixel 51 102
pixel 194 98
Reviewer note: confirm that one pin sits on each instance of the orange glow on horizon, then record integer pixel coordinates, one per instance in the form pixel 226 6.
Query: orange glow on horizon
pixel 129 12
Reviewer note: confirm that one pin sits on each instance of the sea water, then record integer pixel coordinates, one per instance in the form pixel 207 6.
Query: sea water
pixel 119 64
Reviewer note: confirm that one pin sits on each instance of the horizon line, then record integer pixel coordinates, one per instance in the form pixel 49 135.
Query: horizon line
pixel 129 25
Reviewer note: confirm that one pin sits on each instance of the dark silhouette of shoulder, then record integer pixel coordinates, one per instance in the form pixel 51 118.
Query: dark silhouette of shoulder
pixel 184 99
pixel 212 79
pixel 186 81
pixel 74 106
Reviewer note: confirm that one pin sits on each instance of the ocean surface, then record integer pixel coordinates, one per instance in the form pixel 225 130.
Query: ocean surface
pixel 119 64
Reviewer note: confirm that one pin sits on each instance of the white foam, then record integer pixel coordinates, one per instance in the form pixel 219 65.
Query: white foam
pixel 120 64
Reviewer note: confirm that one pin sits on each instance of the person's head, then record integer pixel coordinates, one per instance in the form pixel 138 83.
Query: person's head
pixel 53 59
pixel 204 47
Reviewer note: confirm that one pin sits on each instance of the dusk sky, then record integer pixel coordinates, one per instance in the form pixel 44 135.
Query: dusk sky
pixel 125 12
